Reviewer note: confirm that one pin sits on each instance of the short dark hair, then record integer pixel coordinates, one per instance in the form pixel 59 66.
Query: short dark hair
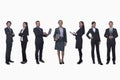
pixel 37 21
pixel 93 22
pixel 8 22
pixel 110 22
pixel 60 20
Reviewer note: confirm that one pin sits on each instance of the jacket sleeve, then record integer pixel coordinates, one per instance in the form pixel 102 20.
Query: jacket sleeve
pixel 116 34
pixel 7 32
pixel 36 33
pixel 13 34
pixel 43 33
pixel 25 33
pixel 65 34
pixel 83 32
pixel 20 34
pixel 88 34
pixel 55 33
pixel 106 34
pixel 98 35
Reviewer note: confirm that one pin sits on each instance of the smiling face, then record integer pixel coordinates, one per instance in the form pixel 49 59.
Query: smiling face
pixel 60 23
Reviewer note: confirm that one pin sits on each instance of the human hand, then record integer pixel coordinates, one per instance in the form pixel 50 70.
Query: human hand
pixel 110 37
pixel 65 43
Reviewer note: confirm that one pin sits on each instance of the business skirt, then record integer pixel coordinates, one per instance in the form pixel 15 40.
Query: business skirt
pixel 60 44
pixel 79 43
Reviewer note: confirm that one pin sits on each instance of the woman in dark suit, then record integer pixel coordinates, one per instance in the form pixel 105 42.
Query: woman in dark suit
pixel 23 38
pixel 60 38
pixel 79 40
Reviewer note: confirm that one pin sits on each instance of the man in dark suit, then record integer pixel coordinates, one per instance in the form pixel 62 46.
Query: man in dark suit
pixel 95 41
pixel 111 34
pixel 9 39
pixel 39 34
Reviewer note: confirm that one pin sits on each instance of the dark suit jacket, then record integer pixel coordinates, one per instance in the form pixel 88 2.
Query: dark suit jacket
pixel 95 35
pixel 57 31
pixel 114 34
pixel 9 34
pixel 79 35
pixel 24 35
pixel 38 34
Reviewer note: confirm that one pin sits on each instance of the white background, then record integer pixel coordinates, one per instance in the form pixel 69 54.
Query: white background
pixel 49 12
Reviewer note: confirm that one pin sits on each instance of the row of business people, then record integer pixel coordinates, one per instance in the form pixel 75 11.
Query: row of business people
pixel 60 38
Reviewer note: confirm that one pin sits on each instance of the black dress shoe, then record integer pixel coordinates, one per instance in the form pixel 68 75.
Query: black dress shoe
pixel 93 62
pixel 79 62
pixel 63 62
pixel 37 62
pixel 42 61
pixel 100 63
pixel 11 61
pixel 114 62
pixel 107 62
pixel 60 62
pixel 7 63
pixel 23 62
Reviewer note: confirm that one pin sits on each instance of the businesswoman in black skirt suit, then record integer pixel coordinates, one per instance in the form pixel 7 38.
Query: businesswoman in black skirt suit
pixel 60 38
pixel 23 38
pixel 79 40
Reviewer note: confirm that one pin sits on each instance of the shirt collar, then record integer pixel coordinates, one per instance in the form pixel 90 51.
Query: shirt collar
pixel 111 28
pixel 8 27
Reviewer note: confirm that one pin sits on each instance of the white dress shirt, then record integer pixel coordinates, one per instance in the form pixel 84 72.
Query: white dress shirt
pixel 110 29
pixel 61 31
pixel 21 39
pixel 94 29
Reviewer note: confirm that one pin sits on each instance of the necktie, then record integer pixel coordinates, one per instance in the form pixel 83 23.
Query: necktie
pixel 111 31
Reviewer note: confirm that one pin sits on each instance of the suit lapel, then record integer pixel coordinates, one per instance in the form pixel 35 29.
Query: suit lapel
pixel 93 31
pixel 10 30
pixel 112 31
pixel 58 31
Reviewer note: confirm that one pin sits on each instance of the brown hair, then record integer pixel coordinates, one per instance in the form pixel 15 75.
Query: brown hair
pixel 37 21
pixel 110 22
pixel 8 22
pixel 60 20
